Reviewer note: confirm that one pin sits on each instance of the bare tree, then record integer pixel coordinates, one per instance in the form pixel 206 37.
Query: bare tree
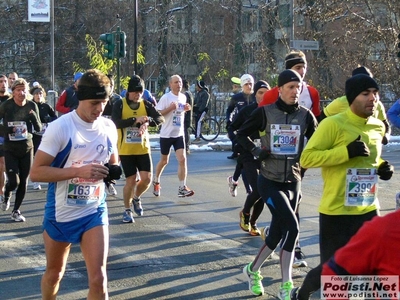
pixel 211 39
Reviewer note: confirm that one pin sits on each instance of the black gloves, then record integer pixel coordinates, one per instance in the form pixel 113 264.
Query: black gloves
pixel 114 172
pixel 385 170
pixel 260 153
pixel 357 148
pixel 302 172
pixel 385 140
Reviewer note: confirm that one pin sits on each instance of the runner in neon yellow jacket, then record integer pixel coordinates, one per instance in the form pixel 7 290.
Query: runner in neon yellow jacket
pixel 348 149
pixel 327 149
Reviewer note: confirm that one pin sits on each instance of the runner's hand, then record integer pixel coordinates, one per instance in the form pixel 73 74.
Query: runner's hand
pixel 114 172
pixel 260 153
pixel 357 148
pixel 385 170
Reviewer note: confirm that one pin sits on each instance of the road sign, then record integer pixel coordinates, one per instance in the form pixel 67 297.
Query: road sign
pixel 305 45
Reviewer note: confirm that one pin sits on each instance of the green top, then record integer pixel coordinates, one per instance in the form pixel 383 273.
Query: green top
pixel 327 149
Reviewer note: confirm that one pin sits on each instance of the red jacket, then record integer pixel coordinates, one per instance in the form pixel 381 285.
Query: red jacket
pixel 272 95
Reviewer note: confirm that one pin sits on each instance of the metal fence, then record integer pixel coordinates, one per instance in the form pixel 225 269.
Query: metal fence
pixel 219 104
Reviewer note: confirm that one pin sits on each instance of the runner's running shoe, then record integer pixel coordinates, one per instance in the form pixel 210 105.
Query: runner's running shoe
pixel 254 231
pixel 244 221
pixel 110 189
pixel 17 217
pixel 285 290
pixel 264 232
pixel 299 257
pixel 5 203
pixel 185 192
pixel 37 186
pixel 254 279
pixel 156 189
pixel 128 216
pixel 232 186
pixel 137 207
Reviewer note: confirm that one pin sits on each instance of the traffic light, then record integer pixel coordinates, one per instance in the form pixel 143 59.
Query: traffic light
pixel 109 44
pixel 122 45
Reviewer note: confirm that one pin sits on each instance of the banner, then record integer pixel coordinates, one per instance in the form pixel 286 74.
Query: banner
pixel 39 10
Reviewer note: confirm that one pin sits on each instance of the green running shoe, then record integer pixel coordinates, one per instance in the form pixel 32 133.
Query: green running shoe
pixel 254 279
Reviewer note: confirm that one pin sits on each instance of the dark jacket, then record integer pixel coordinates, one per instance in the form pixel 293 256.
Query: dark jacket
pixel 278 167
pixel 201 101
pixel 108 109
pixel 237 102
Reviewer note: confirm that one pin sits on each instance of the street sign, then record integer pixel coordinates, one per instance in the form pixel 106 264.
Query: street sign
pixel 305 45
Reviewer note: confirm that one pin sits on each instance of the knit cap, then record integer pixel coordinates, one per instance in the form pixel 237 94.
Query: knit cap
pixel 261 84
pixel 201 84
pixel 288 76
pixel 361 70
pixel 357 84
pixel 246 78
pixel 135 84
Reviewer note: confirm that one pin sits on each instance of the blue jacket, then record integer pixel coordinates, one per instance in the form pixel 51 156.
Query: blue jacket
pixel 393 114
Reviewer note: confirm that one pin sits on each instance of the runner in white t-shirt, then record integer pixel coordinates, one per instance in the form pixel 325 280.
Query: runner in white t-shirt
pixel 173 106
pixel 77 154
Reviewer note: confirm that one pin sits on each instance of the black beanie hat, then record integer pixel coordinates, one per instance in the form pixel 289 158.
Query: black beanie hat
pixel 135 84
pixel 357 84
pixel 201 84
pixel 261 84
pixel 361 70
pixel 288 76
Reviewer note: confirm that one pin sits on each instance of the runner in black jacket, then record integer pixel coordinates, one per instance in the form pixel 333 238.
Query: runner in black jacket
pixel 19 116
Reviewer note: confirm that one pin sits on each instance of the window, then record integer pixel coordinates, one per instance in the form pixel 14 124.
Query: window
pixel 251 21
pixel 180 23
pixel 152 85
pixel 21 48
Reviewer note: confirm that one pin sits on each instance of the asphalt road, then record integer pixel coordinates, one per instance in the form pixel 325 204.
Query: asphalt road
pixel 182 248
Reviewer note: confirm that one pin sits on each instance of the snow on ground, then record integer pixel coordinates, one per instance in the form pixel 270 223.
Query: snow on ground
pixel 222 142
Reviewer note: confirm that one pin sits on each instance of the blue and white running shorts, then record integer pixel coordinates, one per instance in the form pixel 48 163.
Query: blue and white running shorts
pixel 71 232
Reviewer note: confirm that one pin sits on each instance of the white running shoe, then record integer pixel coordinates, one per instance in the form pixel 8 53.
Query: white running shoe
pixel 36 186
pixel 128 216
pixel 299 257
pixel 137 206
pixel 110 190
pixel 17 217
pixel 5 204
pixel 232 186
